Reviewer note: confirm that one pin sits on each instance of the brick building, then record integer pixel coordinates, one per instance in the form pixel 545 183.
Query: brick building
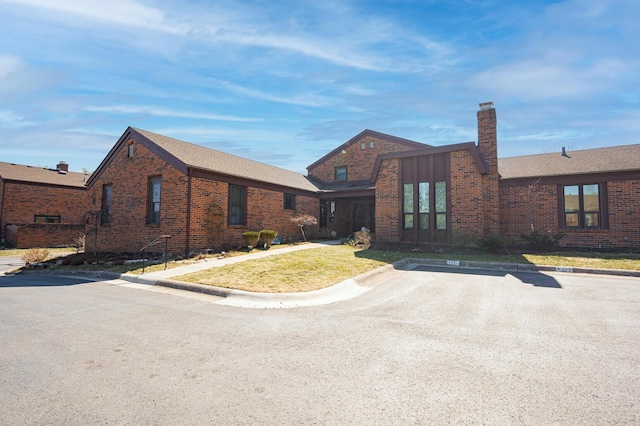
pixel 40 206
pixel 405 191
pixel 151 185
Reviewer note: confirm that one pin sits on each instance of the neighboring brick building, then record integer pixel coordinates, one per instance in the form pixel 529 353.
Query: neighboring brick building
pixel 405 191
pixel 592 195
pixel 151 185
pixel 40 206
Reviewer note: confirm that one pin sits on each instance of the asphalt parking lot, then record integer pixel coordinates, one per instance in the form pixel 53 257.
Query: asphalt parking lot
pixel 428 346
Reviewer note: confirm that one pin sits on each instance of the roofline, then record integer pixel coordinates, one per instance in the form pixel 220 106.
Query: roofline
pixel 373 133
pixel 132 133
pixel 55 185
pixel 569 151
pixel 481 164
pixel 238 180
pixel 577 178
pixel 347 194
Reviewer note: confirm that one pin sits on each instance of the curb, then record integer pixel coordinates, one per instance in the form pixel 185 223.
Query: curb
pixel 520 267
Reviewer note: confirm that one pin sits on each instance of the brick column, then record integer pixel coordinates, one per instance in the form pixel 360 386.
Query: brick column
pixel 488 145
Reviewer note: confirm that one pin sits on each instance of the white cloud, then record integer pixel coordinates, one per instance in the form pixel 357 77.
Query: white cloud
pixel 137 109
pixel 11 119
pixel 8 65
pixel 306 99
pixel 123 12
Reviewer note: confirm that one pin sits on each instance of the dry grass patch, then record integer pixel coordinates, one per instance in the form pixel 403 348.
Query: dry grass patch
pixel 624 261
pixel 299 271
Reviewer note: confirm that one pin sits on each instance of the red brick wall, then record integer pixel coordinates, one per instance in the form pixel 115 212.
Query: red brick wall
pixel 128 230
pixel 527 207
pixel 388 201
pixel 359 161
pixel 537 205
pixel 43 235
pixel 467 196
pixel 23 201
pixel 265 210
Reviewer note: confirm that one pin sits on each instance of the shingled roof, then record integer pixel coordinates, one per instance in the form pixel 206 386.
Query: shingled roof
pixel 203 158
pixel 623 158
pixel 42 175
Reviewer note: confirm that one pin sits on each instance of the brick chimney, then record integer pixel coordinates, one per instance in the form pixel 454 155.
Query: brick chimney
pixel 488 146
pixel 62 167
pixel 487 135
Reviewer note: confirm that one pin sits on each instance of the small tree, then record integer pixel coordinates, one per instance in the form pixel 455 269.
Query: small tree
pixel 303 220
pixel 92 221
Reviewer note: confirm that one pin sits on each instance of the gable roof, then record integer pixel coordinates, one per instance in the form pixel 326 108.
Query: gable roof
pixel 478 159
pixel 374 134
pixel 185 155
pixel 41 175
pixel 622 158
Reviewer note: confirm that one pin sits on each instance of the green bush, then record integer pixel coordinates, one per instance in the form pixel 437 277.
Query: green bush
pixel 267 236
pixel 542 242
pixel 251 238
pixel 492 244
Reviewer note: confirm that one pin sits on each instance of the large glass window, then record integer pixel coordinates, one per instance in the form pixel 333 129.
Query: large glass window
pixel 105 214
pixel 408 205
pixel 441 205
pixel 237 205
pixel 423 204
pixel 155 189
pixel 582 206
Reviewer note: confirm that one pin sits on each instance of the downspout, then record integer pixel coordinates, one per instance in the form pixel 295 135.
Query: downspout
pixel 188 245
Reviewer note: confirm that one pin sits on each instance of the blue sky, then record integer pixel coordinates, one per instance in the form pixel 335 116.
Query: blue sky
pixel 285 82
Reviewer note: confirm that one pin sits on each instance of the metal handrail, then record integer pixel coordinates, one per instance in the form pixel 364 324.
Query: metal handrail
pixel 166 245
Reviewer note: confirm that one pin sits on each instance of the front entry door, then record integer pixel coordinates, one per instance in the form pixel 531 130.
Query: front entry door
pixel 359 216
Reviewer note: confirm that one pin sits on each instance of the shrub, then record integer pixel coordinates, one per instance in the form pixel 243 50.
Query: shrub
pixel 542 242
pixel 35 255
pixel 251 238
pixel 79 242
pixel 267 236
pixel 493 244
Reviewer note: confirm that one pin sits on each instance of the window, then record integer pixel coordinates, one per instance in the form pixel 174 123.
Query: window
pixel 155 189
pixel 423 204
pixel 130 150
pixel 441 204
pixel 289 202
pixel 105 214
pixel 371 144
pixel 41 218
pixel 237 204
pixel 582 206
pixel 408 205
pixel 341 173
pixel 362 145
